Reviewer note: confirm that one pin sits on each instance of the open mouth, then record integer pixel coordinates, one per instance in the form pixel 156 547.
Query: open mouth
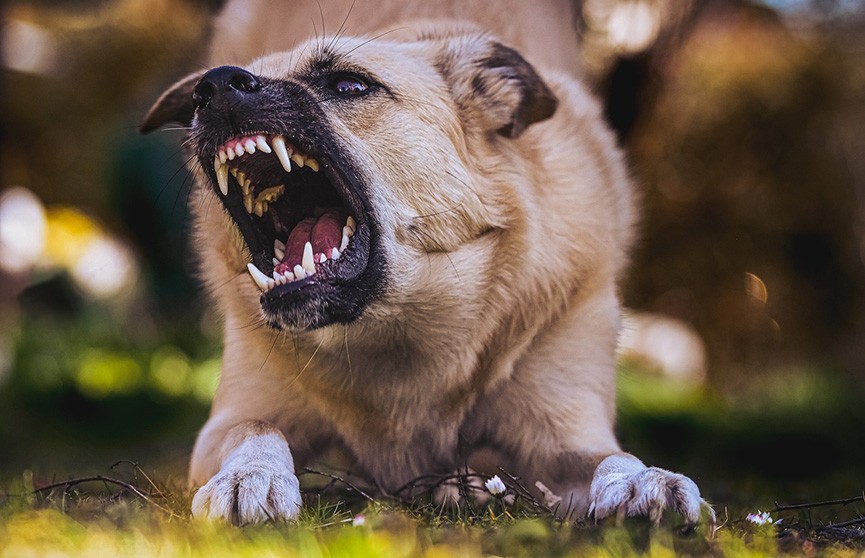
pixel 296 212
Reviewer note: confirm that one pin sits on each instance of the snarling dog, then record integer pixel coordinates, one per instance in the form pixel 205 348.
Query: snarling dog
pixel 415 243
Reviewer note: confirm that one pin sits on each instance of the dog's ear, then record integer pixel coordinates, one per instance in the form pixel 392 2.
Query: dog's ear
pixel 175 105
pixel 495 86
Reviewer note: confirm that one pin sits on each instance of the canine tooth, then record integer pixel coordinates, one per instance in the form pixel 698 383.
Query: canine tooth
pixel 350 223
pixel 281 152
pixel 222 179
pixel 299 272
pixel 261 143
pixel 344 243
pixel 334 254
pixel 239 149
pixel 308 262
pixel 299 159
pixel 250 146
pixel 322 258
pixel 313 164
pixel 346 231
pixel 222 156
pixel 263 281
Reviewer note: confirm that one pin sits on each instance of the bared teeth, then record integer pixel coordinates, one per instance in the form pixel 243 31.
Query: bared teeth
pixel 261 143
pixel 285 153
pixel 308 262
pixel 281 152
pixel 334 254
pixel 351 224
pixel 299 272
pixel 221 176
pixel 278 249
pixel 264 282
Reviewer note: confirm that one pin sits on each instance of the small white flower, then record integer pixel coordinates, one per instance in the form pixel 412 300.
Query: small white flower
pixel 358 520
pixel 495 486
pixel 760 518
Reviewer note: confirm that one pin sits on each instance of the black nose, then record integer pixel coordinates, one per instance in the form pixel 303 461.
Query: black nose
pixel 224 81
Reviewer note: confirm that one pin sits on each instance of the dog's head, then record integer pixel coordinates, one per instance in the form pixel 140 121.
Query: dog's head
pixel 345 162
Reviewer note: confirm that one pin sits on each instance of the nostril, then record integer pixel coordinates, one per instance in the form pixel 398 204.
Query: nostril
pixel 223 80
pixel 244 81
pixel 202 94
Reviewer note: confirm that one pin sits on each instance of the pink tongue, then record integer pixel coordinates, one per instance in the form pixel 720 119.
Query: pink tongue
pixel 324 232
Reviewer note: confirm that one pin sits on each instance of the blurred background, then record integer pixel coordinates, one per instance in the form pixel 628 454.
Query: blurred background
pixel 744 122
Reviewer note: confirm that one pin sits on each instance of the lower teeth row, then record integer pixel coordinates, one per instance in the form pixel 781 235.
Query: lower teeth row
pixel 306 268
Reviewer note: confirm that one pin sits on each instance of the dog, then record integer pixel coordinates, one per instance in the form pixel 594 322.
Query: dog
pixel 414 239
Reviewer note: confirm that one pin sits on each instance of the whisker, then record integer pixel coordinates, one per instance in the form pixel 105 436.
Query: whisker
pixel 416 231
pixel 437 213
pixel 375 38
pixel 339 31
pixel 315 352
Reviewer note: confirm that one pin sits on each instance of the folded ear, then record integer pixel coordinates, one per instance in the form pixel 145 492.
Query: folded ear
pixel 494 86
pixel 175 105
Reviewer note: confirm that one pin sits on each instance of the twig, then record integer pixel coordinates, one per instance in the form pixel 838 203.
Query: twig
pixel 526 494
pixel 66 485
pixel 841 502
pixel 856 521
pixel 339 479
pixel 138 469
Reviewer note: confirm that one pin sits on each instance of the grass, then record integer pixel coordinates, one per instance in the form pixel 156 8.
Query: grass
pixel 126 513
pixel 82 524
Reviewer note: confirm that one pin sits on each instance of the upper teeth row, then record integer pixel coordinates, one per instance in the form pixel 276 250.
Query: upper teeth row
pixel 285 152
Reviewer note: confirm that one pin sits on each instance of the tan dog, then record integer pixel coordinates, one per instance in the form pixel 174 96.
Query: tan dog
pixel 415 242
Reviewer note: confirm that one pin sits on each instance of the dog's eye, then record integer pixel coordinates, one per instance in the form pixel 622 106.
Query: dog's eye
pixel 347 86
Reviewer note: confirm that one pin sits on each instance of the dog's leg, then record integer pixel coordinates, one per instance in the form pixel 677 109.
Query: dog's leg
pixel 256 480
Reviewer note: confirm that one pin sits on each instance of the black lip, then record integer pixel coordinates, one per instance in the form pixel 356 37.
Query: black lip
pixel 341 289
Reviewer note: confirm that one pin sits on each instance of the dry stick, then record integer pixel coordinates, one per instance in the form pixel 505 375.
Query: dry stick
pixel 336 478
pixel 526 494
pixel 844 524
pixel 843 501
pixel 100 478
pixel 138 468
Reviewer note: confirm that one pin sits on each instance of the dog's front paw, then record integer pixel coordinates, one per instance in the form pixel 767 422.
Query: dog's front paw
pixel 255 484
pixel 624 487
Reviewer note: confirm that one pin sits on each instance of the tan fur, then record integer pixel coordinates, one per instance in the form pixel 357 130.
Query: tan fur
pixel 499 323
